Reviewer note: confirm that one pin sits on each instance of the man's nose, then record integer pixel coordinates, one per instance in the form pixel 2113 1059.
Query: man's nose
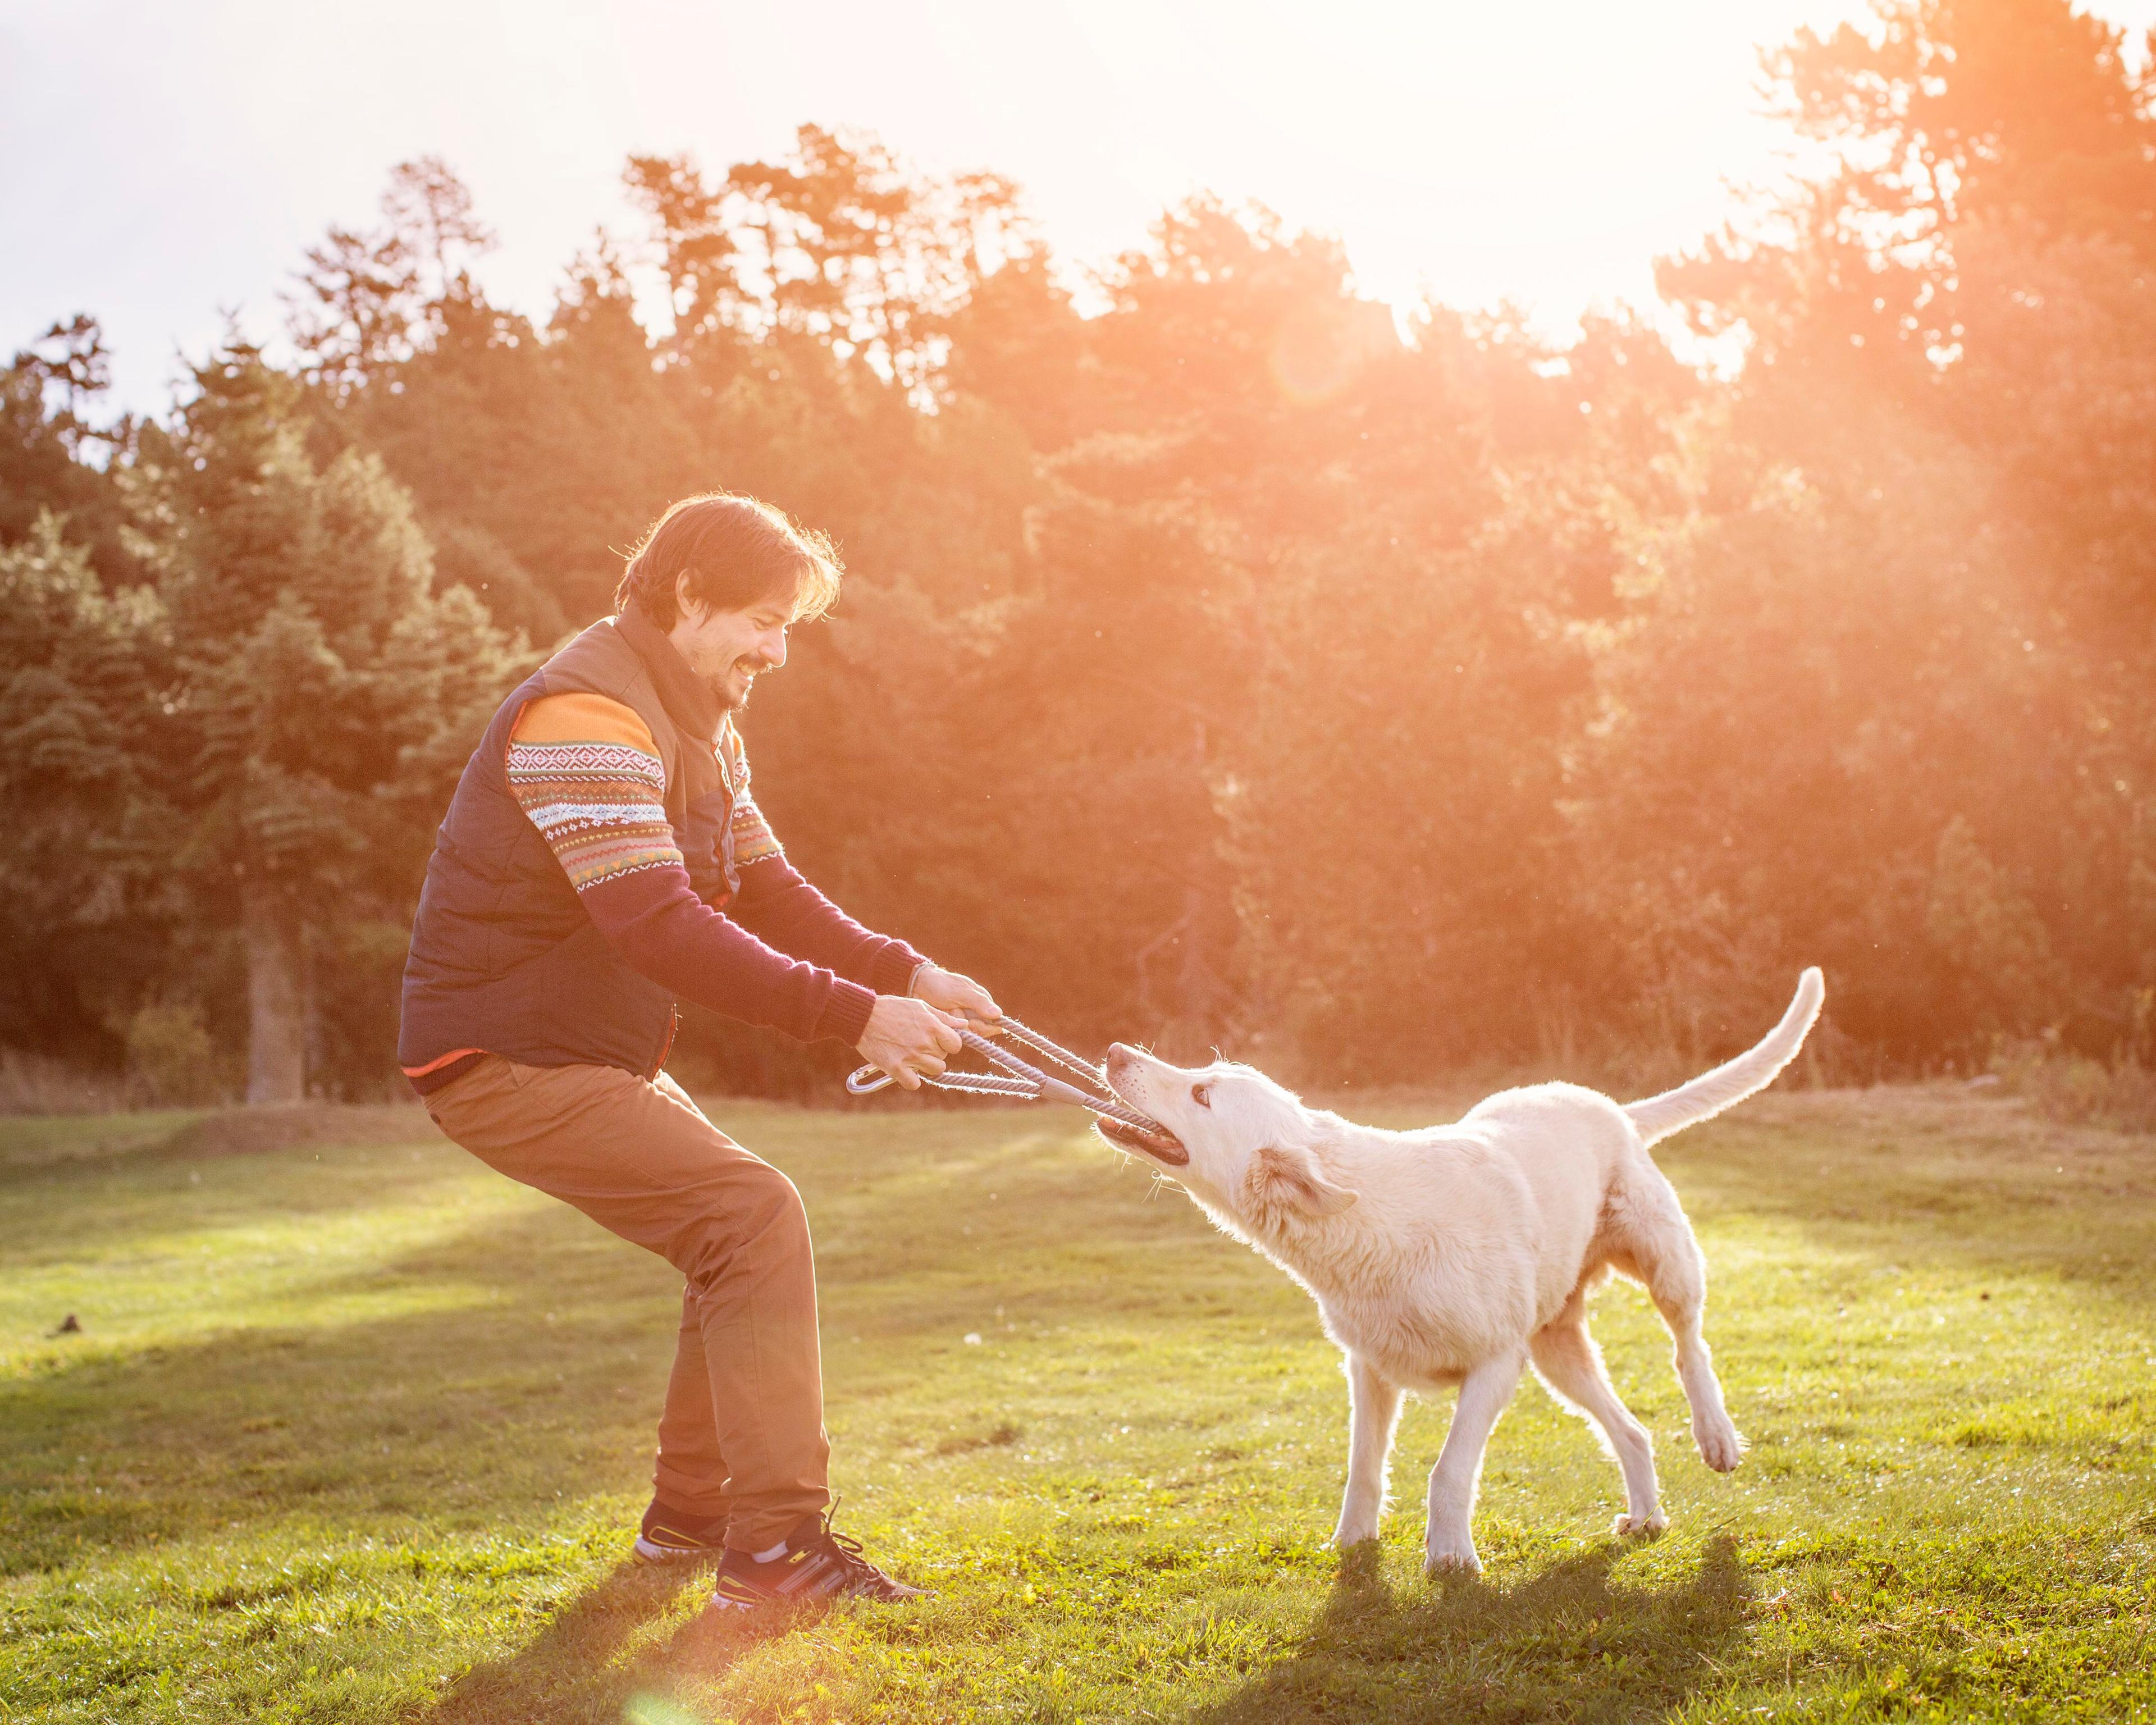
pixel 774 649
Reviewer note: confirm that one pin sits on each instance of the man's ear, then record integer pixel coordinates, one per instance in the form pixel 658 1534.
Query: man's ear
pixel 1289 1177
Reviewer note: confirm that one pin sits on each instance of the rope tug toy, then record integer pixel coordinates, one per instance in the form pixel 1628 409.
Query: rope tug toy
pixel 1029 1083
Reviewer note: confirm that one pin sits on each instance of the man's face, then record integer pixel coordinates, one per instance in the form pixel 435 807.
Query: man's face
pixel 730 650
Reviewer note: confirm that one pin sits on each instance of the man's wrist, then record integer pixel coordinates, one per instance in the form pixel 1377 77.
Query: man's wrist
pixel 845 1015
pixel 893 968
pixel 919 975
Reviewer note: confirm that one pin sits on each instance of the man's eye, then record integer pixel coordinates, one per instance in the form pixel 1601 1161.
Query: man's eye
pixel 1198 1095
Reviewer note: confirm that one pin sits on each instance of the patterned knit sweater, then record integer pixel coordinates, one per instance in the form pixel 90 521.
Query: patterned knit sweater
pixel 588 774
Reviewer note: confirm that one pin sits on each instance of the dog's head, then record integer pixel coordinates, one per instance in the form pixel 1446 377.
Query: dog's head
pixel 1254 1148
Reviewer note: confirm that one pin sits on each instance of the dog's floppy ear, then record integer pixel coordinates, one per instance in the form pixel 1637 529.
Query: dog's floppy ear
pixel 1291 1177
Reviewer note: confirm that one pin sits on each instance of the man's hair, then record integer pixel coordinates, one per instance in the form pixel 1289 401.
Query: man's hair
pixel 735 551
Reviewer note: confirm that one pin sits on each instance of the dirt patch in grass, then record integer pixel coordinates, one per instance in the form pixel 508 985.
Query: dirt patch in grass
pixel 250 1131
pixel 30 1141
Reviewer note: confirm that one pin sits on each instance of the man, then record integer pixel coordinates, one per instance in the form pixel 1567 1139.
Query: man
pixel 602 855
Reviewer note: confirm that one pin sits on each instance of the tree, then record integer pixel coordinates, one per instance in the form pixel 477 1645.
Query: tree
pixel 840 244
pixel 86 676
pixel 374 299
pixel 53 457
pixel 1948 333
pixel 325 692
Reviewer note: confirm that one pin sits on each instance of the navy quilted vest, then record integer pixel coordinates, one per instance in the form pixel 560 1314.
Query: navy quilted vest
pixel 503 957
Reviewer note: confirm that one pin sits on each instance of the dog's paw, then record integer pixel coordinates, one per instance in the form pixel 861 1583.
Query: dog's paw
pixel 1647 1527
pixel 1720 1447
pixel 1451 1554
pixel 1352 1533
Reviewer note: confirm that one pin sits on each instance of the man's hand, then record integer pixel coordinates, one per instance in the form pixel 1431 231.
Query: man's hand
pixel 948 992
pixel 909 1039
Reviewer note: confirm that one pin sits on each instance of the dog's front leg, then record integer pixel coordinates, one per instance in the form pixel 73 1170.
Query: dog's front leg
pixel 1374 1409
pixel 1450 1542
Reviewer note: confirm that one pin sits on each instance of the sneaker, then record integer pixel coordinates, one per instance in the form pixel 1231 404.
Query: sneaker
pixel 816 1564
pixel 673 1535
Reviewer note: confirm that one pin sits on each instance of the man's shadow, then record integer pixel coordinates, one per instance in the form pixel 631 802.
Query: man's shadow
pixel 1567 1642
pixel 573 1671
pixel 570 1671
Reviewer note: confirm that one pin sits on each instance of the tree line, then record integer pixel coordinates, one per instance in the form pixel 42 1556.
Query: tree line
pixel 1226 667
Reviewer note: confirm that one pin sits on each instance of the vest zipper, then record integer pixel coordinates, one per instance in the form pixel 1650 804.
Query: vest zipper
pixel 665 1048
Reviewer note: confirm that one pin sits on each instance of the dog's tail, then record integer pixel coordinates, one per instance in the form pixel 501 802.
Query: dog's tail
pixel 1751 1072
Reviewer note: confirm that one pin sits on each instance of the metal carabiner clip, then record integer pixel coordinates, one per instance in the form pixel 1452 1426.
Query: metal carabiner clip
pixel 867 1081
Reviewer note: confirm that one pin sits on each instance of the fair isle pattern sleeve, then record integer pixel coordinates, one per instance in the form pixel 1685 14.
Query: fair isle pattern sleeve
pixel 753 840
pixel 586 771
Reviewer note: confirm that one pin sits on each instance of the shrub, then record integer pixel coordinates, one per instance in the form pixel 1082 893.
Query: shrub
pixel 2078 1087
pixel 170 1055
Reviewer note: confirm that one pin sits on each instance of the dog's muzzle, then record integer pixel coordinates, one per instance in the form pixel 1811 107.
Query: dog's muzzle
pixel 1155 1140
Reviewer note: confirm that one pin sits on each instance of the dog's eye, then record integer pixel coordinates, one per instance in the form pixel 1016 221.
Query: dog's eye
pixel 1198 1095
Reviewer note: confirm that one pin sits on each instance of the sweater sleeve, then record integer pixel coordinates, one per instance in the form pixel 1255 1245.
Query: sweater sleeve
pixel 776 903
pixel 586 771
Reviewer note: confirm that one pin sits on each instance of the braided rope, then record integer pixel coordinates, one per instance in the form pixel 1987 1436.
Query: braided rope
pixel 986 1084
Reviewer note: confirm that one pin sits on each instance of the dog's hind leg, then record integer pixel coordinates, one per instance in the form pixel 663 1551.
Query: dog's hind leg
pixel 1374 1409
pixel 1665 1256
pixel 1569 1363
pixel 1449 1540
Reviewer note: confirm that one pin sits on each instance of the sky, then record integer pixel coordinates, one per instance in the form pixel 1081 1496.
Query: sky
pixel 163 166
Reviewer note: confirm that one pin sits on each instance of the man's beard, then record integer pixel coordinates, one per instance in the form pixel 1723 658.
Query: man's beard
pixel 722 689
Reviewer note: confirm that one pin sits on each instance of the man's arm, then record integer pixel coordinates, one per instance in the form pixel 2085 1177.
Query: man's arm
pixel 792 915
pixel 776 903
pixel 778 906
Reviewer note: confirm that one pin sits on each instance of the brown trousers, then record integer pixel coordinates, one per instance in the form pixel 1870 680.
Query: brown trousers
pixel 742 1435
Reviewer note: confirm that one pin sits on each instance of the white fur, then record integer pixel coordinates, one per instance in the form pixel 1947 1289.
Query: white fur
pixel 1453 1256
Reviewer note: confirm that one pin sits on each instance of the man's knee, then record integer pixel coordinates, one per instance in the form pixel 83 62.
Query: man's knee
pixel 755 1220
pixel 777 1206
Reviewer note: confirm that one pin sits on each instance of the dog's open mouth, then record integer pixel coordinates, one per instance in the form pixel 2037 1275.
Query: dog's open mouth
pixel 1160 1146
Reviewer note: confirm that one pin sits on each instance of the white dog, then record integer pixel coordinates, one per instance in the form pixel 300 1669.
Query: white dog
pixel 1455 1255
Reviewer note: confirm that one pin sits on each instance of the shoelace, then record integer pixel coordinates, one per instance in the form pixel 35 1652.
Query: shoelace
pixel 847 1551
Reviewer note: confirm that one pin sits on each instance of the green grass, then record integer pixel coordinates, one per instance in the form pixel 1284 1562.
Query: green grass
pixel 360 1433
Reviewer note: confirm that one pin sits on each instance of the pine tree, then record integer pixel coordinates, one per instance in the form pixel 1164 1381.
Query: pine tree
pixel 48 440
pixel 327 693
pixel 84 677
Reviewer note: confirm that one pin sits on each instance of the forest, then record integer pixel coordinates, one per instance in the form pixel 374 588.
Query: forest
pixel 1224 661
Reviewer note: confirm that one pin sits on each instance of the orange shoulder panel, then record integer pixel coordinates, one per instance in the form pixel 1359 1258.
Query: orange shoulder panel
pixel 581 718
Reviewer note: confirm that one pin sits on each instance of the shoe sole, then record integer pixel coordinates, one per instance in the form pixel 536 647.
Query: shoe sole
pixel 648 1551
pixel 720 1602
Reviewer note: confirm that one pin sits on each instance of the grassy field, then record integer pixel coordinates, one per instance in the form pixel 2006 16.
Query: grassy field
pixel 354 1430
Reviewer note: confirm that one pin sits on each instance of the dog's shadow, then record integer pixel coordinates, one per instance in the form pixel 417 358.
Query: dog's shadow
pixel 1568 1641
